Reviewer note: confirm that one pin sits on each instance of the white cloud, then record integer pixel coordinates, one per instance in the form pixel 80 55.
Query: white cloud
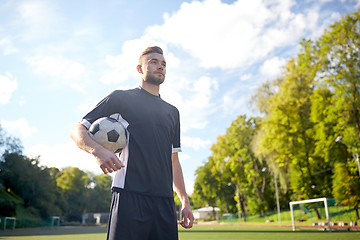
pixel 19 127
pixel 195 142
pixel 22 101
pixel 237 38
pixel 272 67
pixel 233 41
pixel 123 66
pixel 357 4
pixel 86 30
pixel 8 46
pixel 64 155
pixel 246 77
pixel 39 18
pixel 233 101
pixel 8 86
pixel 78 87
pixel 34 11
pixel 193 98
pixel 317 31
pixel 86 107
pixel 184 156
pixel 189 185
pixel 57 66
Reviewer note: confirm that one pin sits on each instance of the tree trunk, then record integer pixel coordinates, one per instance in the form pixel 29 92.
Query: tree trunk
pixel 243 210
pixel 356 210
pixel 241 203
pixel 317 213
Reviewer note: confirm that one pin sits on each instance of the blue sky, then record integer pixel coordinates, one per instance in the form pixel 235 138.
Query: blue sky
pixel 59 58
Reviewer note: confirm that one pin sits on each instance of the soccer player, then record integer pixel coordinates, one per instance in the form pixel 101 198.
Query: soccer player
pixel 148 167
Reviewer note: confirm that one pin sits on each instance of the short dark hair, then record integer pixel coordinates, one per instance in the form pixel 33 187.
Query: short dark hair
pixel 148 50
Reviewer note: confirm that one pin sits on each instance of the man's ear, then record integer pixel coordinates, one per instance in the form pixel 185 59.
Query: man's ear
pixel 138 68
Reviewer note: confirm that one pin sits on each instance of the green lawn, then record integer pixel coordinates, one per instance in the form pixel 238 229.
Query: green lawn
pixel 263 233
pixel 218 232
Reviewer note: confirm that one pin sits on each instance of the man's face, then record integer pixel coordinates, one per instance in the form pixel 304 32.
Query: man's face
pixel 153 68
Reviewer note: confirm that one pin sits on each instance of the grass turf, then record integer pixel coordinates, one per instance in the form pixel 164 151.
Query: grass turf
pixel 218 232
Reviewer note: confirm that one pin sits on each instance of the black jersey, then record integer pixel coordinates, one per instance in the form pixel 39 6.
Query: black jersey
pixel 153 128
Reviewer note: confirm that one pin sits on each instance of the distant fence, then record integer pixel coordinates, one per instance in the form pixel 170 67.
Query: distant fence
pixel 7 223
pixel 337 213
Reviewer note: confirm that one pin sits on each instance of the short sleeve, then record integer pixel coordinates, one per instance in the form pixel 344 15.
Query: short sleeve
pixel 103 109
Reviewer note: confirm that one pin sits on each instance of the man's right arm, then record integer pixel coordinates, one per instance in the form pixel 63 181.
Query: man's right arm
pixel 107 160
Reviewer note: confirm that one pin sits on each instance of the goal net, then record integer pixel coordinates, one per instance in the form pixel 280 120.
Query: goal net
pixel 323 200
pixel 323 213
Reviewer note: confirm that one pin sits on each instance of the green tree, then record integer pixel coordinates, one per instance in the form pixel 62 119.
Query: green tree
pixel 74 184
pixel 24 177
pixel 286 137
pixel 247 171
pixel 8 201
pixel 225 189
pixel 266 138
pixel 338 53
pixel 315 101
pixel 346 187
pixel 213 181
pixel 233 177
pixel 337 105
pixel 9 144
pixel 205 186
pixel 100 193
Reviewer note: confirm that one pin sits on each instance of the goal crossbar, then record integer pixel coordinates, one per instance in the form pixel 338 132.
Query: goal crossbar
pixel 12 219
pixel 310 201
pixel 55 219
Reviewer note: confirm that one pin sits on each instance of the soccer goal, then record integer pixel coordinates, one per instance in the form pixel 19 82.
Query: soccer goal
pixel 55 221
pixel 8 219
pixel 324 200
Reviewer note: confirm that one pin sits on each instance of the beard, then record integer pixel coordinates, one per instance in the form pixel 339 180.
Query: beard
pixel 155 80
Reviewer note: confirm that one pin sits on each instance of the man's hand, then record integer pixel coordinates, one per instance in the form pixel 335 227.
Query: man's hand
pixel 107 160
pixel 188 217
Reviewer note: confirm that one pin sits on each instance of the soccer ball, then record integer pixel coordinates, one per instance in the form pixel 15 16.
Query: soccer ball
pixel 109 133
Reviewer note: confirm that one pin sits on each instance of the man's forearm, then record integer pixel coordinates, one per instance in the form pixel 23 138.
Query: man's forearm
pixel 179 184
pixel 106 160
pixel 188 217
pixel 82 139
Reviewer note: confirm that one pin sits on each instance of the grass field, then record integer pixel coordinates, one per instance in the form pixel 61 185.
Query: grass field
pixel 219 232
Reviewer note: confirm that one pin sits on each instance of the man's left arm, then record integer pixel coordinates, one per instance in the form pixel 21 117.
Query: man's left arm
pixel 179 186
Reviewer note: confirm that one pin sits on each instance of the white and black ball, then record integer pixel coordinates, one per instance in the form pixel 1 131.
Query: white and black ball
pixel 109 133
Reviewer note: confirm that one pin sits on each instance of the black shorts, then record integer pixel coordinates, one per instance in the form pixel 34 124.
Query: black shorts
pixel 136 216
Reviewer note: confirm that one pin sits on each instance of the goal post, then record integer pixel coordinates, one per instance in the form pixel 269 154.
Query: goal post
pixel 310 201
pixel 55 221
pixel 13 219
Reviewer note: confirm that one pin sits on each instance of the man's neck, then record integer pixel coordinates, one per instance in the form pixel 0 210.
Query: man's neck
pixel 151 88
